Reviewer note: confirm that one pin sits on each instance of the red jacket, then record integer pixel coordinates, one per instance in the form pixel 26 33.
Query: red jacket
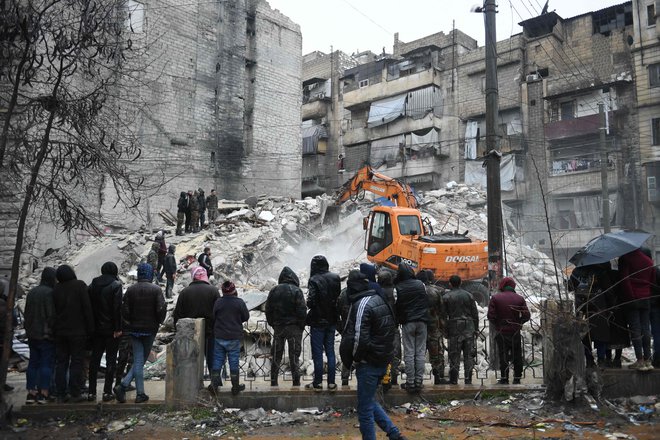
pixel 508 311
pixel 637 275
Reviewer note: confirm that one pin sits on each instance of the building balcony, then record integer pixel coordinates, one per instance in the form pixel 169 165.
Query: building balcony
pixel 361 135
pixel 581 181
pixel 585 125
pixel 365 95
pixel 314 110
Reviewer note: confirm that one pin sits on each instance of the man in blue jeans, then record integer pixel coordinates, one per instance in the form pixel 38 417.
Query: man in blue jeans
pixel 368 342
pixel 143 310
pixel 229 312
pixel 323 290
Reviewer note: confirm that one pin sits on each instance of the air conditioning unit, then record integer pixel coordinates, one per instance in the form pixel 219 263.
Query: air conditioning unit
pixel 533 77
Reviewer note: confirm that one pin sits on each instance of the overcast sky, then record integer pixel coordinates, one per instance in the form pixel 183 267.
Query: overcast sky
pixel 358 25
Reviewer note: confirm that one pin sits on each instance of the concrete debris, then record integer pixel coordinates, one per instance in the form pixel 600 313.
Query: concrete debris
pixel 252 240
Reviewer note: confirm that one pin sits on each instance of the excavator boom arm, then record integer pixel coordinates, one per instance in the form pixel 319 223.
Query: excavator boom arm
pixel 366 179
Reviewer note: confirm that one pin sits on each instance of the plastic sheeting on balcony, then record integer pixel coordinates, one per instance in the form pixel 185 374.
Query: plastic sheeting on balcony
pixel 475 173
pixel 424 101
pixel 386 110
pixel 311 136
pixel 386 150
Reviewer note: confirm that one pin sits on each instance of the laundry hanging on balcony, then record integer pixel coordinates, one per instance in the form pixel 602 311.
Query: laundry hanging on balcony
pixel 386 110
pixel 471 136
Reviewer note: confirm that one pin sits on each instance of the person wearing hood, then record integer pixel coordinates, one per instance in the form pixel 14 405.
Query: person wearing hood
pixel 194 211
pixel 105 295
pixel 197 301
pixel 182 207
pixel 170 267
pixel 143 310
pixel 286 312
pixel 229 312
pixel 412 312
pixel 508 311
pixel 323 290
pixel 368 343
pixel 386 282
pixel 152 257
pixel 369 270
pixel 74 324
pixel 201 203
pixel 462 324
pixel 435 330
pixel 39 321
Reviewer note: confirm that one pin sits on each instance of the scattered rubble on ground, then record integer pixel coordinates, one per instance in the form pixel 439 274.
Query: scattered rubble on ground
pixel 251 241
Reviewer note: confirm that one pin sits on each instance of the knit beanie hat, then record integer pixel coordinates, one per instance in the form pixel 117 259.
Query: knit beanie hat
pixel 228 289
pixel 199 274
pixel 507 283
pixel 145 271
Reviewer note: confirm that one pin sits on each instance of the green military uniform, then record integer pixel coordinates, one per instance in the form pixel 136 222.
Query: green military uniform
pixel 436 333
pixel 462 323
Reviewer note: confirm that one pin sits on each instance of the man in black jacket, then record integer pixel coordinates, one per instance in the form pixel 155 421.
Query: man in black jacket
pixel 182 208
pixel 201 203
pixel 412 311
pixel 105 294
pixel 74 324
pixel 197 301
pixel 39 321
pixel 170 266
pixel 368 342
pixel 285 312
pixel 204 260
pixel 323 290
pixel 143 310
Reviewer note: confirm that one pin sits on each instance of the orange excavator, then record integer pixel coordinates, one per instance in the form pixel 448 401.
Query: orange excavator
pixel 396 234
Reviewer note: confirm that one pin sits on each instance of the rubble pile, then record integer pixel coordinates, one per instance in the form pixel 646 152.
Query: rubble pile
pixel 252 240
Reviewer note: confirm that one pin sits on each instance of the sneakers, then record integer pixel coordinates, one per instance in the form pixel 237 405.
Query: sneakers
pixel 107 397
pixel 41 399
pixel 31 399
pixel 332 387
pixel 120 393
pixel 91 397
pixel 141 398
pixel 315 387
pixel 516 381
pixel 647 366
pixel 638 365
pixel 503 381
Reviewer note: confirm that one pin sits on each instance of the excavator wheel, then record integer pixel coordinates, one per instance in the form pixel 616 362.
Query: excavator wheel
pixel 478 291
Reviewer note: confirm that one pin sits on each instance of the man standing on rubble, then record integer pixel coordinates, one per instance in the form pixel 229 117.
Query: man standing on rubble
pixel 323 290
pixel 201 203
pixel 182 208
pixel 462 324
pixel 197 301
pixel 189 198
pixel 436 327
pixel 212 206
pixel 286 312
pixel 508 312
pixel 368 343
pixel 105 295
pixel 194 211
pixel 169 266
pixel 412 311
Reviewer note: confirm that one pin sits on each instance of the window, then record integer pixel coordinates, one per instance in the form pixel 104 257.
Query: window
pixel 655 130
pixel 135 18
pixel 615 17
pixel 650 15
pixel 363 83
pixel 380 234
pixel 654 75
pixel 409 225
pixel 567 110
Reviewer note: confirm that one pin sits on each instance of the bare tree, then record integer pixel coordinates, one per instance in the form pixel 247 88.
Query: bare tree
pixel 66 125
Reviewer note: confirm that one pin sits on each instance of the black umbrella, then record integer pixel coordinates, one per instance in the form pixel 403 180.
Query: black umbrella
pixel 609 246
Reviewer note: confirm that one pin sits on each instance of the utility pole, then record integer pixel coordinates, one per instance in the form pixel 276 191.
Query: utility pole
pixel 493 155
pixel 605 194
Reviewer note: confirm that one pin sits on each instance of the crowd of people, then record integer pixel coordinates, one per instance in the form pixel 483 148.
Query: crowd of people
pixel 191 210
pixel 622 308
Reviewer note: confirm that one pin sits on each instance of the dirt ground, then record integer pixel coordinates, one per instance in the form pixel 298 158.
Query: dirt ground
pixel 466 421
